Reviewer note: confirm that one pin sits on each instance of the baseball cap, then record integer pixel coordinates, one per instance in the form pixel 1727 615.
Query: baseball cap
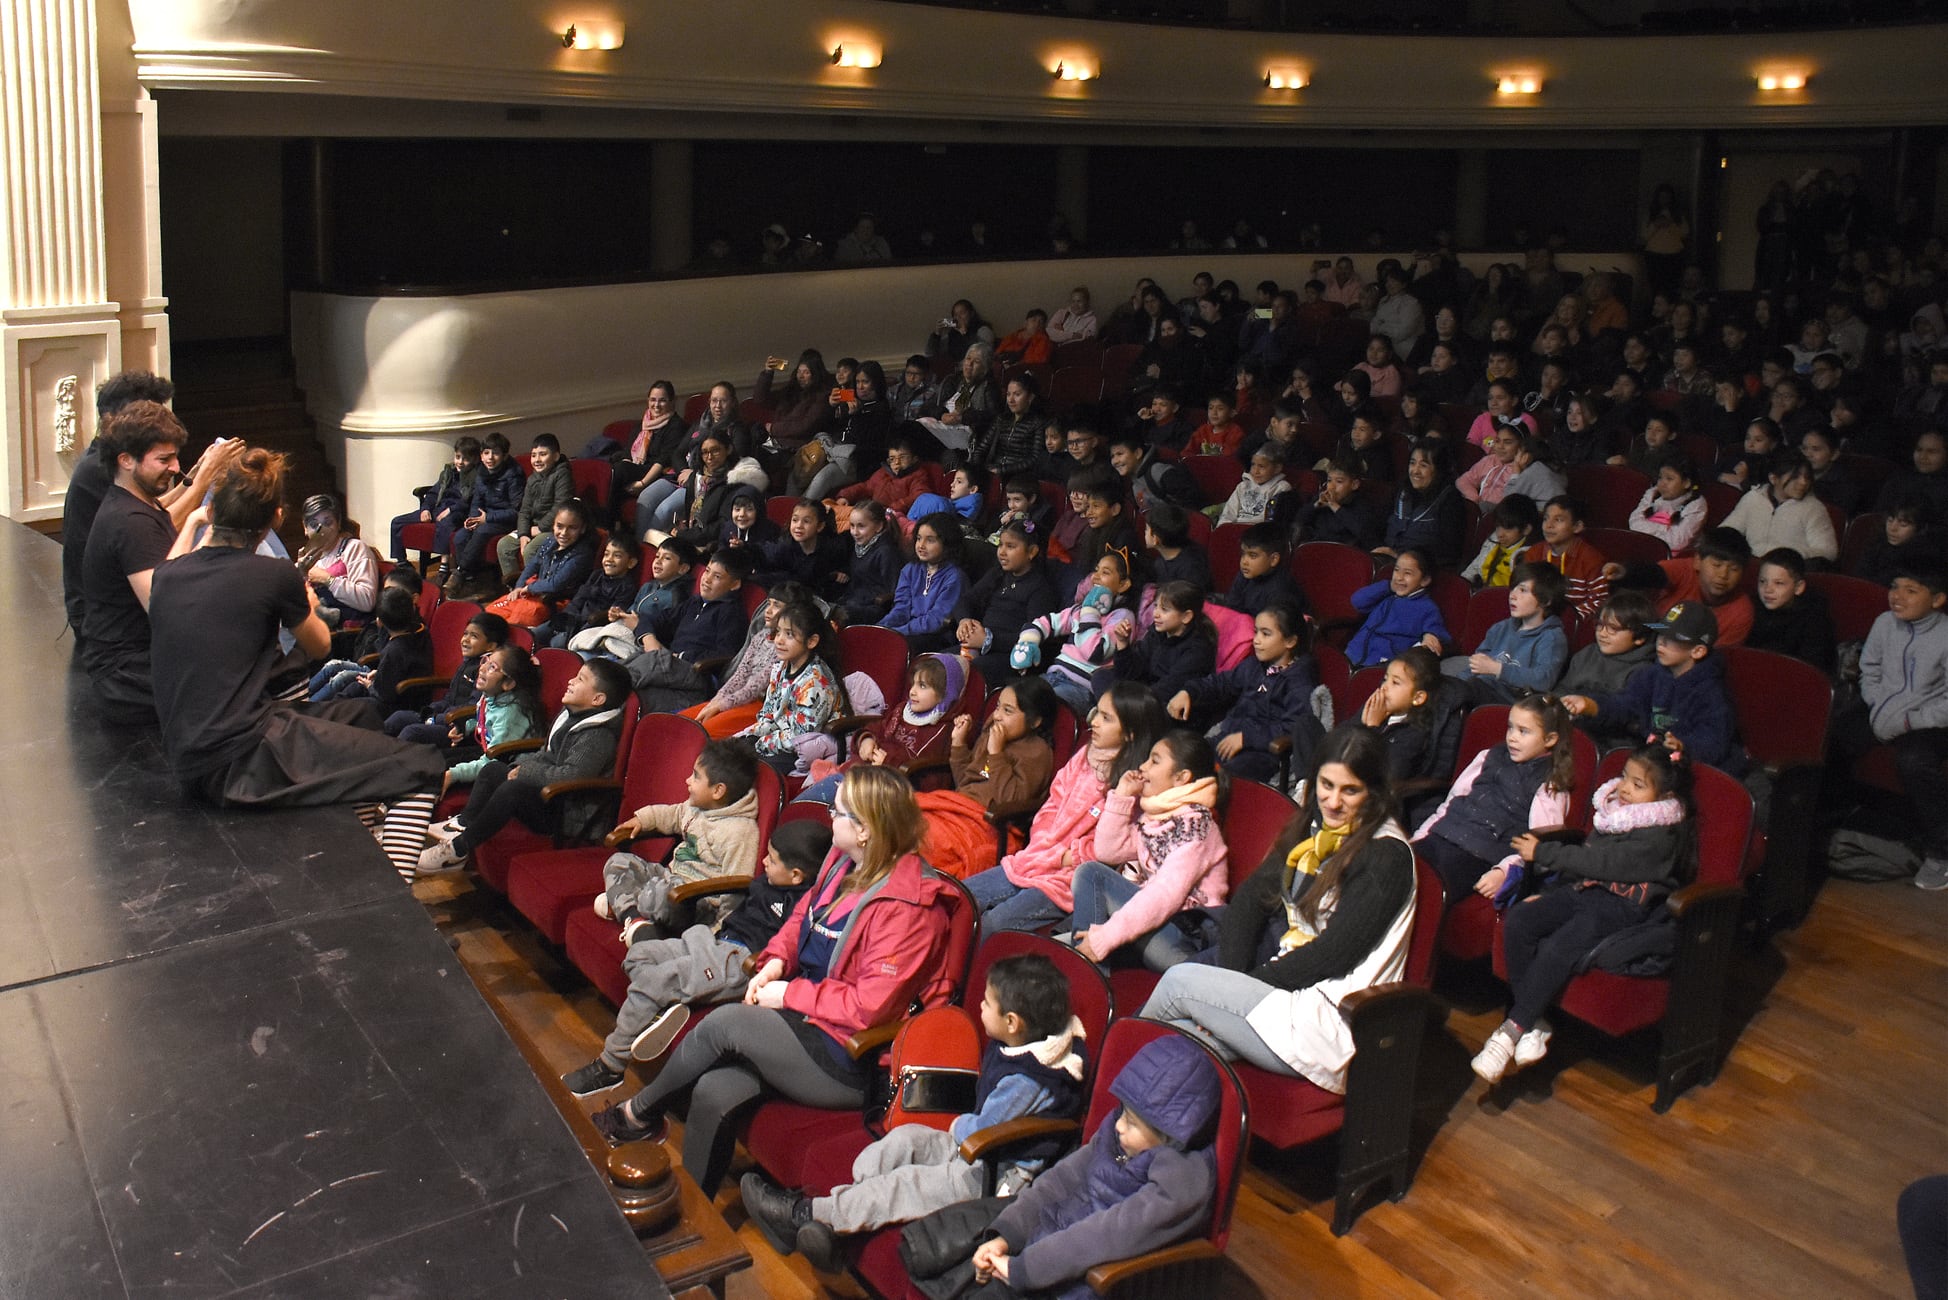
pixel 1690 621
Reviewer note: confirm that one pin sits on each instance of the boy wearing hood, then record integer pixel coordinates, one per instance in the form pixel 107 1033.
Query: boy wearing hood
pixel 1683 700
pixel 1032 1066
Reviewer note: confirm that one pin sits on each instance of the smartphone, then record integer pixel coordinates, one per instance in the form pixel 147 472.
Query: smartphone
pixel 1262 313
pixel 846 394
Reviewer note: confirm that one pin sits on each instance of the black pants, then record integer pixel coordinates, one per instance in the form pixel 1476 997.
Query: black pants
pixel 494 802
pixel 1457 868
pixel 1918 757
pixel 1546 935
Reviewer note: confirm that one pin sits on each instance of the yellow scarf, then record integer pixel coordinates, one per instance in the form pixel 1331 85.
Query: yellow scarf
pixel 1306 859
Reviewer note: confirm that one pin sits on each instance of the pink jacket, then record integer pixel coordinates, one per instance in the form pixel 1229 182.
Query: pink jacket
pixel 1178 859
pixel 1066 822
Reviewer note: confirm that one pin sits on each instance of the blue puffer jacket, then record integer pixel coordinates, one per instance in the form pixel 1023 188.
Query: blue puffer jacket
pixel 1696 708
pixel 498 496
pixel 1393 623
pixel 1096 1205
pixel 552 573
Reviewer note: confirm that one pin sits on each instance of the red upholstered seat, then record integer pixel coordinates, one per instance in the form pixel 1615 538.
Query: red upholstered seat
pixel 595 949
pixel 1610 492
pixel 1329 573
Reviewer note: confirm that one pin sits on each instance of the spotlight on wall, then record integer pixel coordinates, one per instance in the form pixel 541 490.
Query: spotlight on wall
pixel 1069 69
pixel 1521 83
pixel 855 55
pixel 1286 79
pixel 592 34
pixel 1784 80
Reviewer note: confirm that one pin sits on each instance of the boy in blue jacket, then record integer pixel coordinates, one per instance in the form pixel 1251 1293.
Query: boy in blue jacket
pixel 556 568
pixel 1525 651
pixel 491 510
pixel 1399 612
pixel 1681 699
pixel 1032 1065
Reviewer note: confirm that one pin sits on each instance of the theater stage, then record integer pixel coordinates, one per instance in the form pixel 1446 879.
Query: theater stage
pixel 238 1057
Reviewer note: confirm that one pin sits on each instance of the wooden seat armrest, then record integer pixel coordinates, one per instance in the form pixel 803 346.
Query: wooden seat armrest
pixel 459 714
pixel 925 767
pixel 996 1138
pixel 691 891
pixel 709 667
pixel 1695 895
pixel 873 1037
pixel 1198 1256
pixel 420 683
pixel 1559 835
pixel 368 661
pixel 1281 747
pixel 618 837
pixel 1371 1008
pixel 579 785
pixel 509 748
pixel 850 723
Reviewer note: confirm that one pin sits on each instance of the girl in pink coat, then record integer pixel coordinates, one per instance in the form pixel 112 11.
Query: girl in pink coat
pixel 1031 888
pixel 1160 855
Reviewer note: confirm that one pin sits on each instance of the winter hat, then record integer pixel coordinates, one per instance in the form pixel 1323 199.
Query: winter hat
pixel 1172 1086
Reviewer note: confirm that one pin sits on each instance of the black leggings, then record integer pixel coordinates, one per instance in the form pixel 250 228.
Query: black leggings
pixel 736 1055
pixel 1546 936
pixel 1457 868
pixel 494 802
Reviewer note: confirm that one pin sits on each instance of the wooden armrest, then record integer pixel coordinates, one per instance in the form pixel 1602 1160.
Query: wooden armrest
pixel 850 723
pixel 691 891
pixel 460 714
pixel 1105 1279
pixel 997 1137
pixel 715 664
pixel 509 748
pixel 1282 746
pixel 925 766
pixel 368 661
pixel 618 837
pixel 417 683
pixel 1696 895
pixel 873 1036
pixel 579 785
pixel 1377 999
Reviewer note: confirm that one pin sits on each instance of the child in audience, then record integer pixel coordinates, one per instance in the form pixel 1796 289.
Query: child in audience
pixel 1907 539
pixel 1341 512
pixel 735 705
pixel 745 523
pixel 1904 684
pixel 549 487
pixel 1087 630
pixel 1749 464
pixel 708 625
pixel 1175 557
pixel 1622 647
pixel 1262 699
pixel 704 964
pixel 490 511
pixel 1399 612
pixel 874 578
pixel 1005 766
pixel 1151 873
pixel 1525 651
pixel 1016 591
pixel 1144 1181
pixel 1262 577
pixel 1180 647
pixel 805 690
pixel 1364 447
pixel 1562 545
pixel 1149 478
pixel 1522 784
pixel 1683 700
pixel 1419 714
pixel 716 830
pixel 508 708
pixel 1161 423
pixel 1220 434
pixel 915 733
pixel 408 653
pixel 581 743
pixel 930 586
pixel 643 607
pixel 483 634
pixel 1517 522
pixel 444 504
pixel 1656 440
pixel 344 570
pixel 371 638
pixel 1031 886
pixel 1251 501
pixel 1486 481
pixel 1712 577
pixel 1640 848
pixel 1072 519
pixel 963 498
pixel 557 566
pixel 1673 508
pixel 1032 1066
pixel 810 553
pixel 904 477
pixel 1022 498
pixel 1783 512
pixel 1106 523
pixel 601 597
pixel 1792 619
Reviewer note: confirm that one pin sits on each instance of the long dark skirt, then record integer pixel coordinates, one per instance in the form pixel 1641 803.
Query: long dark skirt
pixel 332 752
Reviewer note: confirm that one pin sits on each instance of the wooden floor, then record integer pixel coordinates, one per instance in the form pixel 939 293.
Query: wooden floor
pixel 1777 1180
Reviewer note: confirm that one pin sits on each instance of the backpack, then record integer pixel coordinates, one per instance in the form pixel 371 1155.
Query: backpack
pixel 1857 855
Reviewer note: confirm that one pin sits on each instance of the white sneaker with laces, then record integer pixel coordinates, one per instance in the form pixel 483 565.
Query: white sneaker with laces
pixel 446 831
pixel 440 857
pixel 1534 1045
pixel 1491 1062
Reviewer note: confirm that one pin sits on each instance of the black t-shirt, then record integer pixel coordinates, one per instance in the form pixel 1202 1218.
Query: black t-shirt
pixel 92 478
pixel 129 535
pixel 217 612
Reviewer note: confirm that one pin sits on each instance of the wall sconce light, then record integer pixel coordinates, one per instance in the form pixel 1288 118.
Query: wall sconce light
pixel 1518 84
pixel 1782 81
pixel 1286 79
pixel 856 55
pixel 1071 70
pixel 592 34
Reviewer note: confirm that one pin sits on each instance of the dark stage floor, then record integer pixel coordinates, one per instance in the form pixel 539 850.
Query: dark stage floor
pixel 238 1057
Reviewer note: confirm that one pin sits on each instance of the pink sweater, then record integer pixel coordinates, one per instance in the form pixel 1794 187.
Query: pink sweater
pixel 1178 860
pixel 1067 822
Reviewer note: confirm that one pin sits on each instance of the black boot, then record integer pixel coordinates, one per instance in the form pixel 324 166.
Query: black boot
pixel 777 1212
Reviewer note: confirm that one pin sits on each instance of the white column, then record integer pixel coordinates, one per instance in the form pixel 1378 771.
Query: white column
pixel 59 331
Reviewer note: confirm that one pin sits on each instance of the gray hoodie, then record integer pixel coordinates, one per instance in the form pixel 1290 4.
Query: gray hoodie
pixel 1904 674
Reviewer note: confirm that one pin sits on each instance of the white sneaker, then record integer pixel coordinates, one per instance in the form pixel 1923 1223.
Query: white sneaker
pixel 445 832
pixel 1533 1046
pixel 440 857
pixel 1491 1062
pixel 602 907
pixel 1933 874
pixel 660 1033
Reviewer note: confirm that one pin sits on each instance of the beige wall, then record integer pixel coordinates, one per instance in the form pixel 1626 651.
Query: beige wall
pixel 770 57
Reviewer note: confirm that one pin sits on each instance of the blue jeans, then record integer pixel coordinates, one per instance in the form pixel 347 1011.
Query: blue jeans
pixel 1008 906
pixel 1101 889
pixel 823 791
pixel 1212 1003
pixel 337 679
pixel 657 505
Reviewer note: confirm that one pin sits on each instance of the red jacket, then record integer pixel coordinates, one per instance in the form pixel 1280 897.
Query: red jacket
pixel 897 491
pixel 891 957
